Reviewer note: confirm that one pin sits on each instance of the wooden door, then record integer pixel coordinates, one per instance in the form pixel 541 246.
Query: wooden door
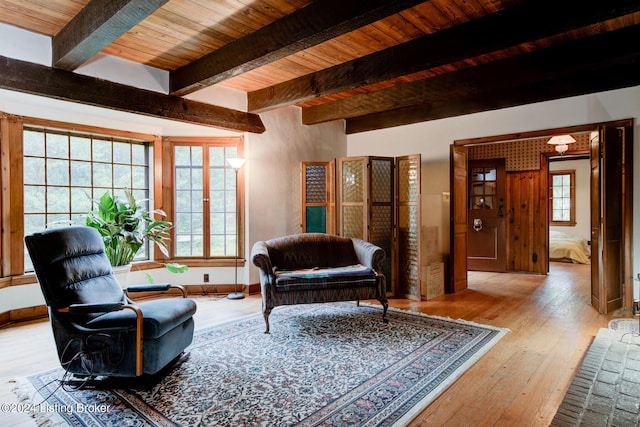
pixel 486 224
pixel 607 219
pixel 458 215
pixel 596 280
pixel 408 226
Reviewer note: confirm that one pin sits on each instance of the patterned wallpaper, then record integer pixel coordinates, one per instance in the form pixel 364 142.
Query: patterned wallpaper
pixel 523 155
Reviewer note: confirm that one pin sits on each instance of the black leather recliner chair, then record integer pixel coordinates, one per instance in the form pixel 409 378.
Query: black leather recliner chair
pixel 98 330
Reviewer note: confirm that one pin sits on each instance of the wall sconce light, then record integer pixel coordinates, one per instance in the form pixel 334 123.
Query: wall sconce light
pixel 561 143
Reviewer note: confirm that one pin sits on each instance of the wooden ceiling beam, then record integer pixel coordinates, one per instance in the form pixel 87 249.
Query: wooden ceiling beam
pixel 96 26
pixel 316 23
pixel 559 61
pixel 36 79
pixel 592 81
pixel 524 23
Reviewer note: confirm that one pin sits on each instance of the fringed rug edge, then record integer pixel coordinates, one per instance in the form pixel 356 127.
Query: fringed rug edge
pixel 448 319
pixel 461 370
pixel 42 415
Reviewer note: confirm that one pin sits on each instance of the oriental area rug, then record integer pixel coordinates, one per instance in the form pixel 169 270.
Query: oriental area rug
pixel 332 364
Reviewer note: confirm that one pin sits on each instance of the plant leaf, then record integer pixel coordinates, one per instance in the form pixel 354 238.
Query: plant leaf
pixel 176 268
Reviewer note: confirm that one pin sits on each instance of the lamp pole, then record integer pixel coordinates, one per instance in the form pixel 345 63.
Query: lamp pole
pixel 236 164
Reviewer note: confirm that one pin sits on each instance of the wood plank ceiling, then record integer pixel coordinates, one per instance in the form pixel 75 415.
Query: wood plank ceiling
pixel 373 63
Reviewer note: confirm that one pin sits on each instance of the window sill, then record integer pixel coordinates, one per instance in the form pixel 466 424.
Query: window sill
pixel 190 262
pixel 30 278
pixel 563 224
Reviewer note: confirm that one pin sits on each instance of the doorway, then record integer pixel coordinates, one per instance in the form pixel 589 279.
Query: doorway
pixel 605 288
pixel 569 209
pixel 570 217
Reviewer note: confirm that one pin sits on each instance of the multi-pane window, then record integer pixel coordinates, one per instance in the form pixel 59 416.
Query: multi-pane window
pixel 64 171
pixel 205 200
pixel 562 198
pixel 482 194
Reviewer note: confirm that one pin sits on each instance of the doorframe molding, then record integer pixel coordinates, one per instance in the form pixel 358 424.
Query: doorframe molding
pixel 545 159
pixel 519 136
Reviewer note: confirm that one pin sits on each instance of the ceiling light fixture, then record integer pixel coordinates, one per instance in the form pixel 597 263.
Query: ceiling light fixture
pixel 561 142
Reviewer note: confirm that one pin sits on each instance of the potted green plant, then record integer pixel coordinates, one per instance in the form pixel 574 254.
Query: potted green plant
pixel 126 225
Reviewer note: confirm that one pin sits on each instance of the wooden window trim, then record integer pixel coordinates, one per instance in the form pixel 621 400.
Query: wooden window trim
pixel 143 189
pixel 12 196
pixel 167 180
pixel 12 236
pixel 572 197
pixel 11 128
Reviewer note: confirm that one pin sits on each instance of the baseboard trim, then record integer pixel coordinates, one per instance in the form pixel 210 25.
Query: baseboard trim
pixel 253 289
pixel 23 314
pixel 4 318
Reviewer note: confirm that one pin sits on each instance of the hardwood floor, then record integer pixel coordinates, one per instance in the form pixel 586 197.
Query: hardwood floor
pixel 521 381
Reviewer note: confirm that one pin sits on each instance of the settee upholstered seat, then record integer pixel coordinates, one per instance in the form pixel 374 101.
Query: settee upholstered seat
pixel 315 267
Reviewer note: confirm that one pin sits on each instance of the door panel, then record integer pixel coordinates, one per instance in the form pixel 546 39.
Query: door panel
pixel 317 188
pixel 408 226
pixel 527 213
pixel 366 205
pixel 596 280
pixel 611 225
pixel 627 213
pixel 483 247
pixel 607 219
pixel 381 215
pixel 486 233
pixel 353 187
pixel 458 231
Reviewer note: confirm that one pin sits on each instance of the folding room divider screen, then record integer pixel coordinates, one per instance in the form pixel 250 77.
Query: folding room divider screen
pixel 376 199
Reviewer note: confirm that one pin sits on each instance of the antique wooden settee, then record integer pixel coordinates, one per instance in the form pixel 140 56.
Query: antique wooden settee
pixel 315 268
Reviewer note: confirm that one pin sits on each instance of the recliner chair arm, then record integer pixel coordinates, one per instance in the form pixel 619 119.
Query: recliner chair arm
pixel 92 308
pixel 156 287
pixel 104 308
pixel 139 335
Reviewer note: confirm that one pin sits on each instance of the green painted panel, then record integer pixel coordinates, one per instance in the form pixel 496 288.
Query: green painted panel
pixel 316 219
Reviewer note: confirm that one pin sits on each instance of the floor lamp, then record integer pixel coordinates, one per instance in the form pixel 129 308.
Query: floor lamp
pixel 236 164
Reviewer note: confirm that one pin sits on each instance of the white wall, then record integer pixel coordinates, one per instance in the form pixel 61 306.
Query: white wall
pixel 582 229
pixel 432 140
pixel 273 182
pixel 15 297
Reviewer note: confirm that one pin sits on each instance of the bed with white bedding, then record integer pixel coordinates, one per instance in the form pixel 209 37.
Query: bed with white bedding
pixel 566 248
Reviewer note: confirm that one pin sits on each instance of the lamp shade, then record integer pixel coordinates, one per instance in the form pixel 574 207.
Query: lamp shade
pixel 561 142
pixel 236 162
